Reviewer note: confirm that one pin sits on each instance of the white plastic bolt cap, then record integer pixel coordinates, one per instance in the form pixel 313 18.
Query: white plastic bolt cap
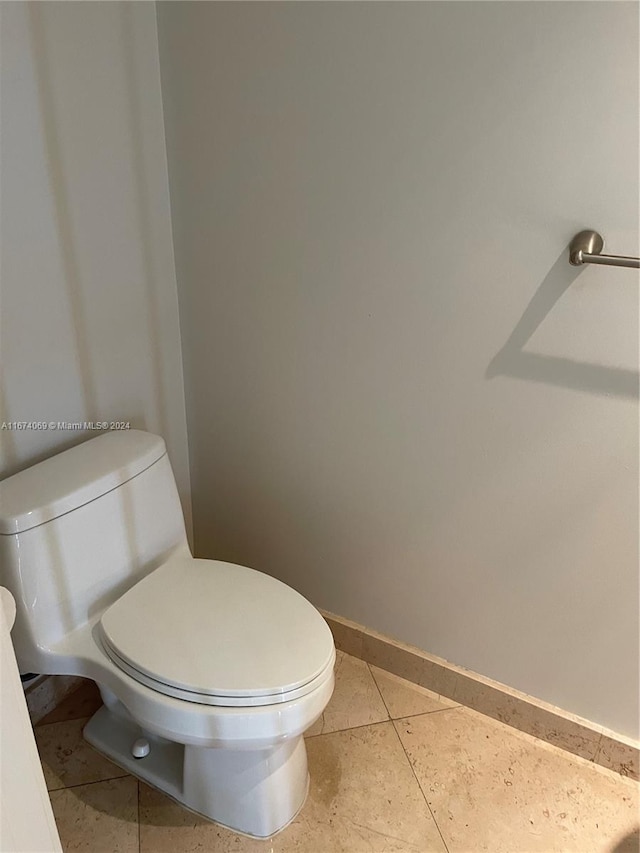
pixel 140 748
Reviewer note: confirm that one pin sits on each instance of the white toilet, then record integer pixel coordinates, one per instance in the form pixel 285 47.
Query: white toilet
pixel 210 672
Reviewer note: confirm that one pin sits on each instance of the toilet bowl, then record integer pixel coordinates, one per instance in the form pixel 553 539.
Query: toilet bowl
pixel 210 672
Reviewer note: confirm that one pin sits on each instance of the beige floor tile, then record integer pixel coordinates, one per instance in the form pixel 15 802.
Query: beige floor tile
pixel 405 699
pixel 83 702
pixel 67 759
pixel 98 818
pixel 166 827
pixel 356 700
pixel 363 797
pixel 492 788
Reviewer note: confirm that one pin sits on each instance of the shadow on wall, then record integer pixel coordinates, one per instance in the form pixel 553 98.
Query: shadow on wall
pixel 62 206
pixel 11 460
pixel 152 412
pixel 511 360
pixel 143 202
pixel 8 455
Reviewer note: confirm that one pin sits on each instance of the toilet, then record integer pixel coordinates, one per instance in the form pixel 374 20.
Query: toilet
pixel 210 672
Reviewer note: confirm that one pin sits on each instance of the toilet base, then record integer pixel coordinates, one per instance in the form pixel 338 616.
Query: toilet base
pixel 255 792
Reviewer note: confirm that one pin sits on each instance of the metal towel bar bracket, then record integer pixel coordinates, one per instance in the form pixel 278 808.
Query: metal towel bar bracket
pixel 586 248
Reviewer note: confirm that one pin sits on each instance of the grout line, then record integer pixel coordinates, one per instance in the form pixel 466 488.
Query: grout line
pixel 597 751
pixel 61 722
pixel 93 782
pixel 349 729
pixel 380 722
pixel 41 724
pixel 415 776
pixel 412 684
pixel 378 689
pixel 427 713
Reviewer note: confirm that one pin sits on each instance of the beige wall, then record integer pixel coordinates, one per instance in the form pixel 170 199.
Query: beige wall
pixel 89 314
pixel 401 398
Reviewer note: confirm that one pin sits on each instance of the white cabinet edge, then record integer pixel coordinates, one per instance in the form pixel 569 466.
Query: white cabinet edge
pixel 27 822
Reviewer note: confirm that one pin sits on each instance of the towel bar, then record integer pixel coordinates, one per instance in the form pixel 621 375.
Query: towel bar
pixel 586 248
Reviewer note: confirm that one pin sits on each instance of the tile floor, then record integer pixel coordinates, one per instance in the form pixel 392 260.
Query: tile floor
pixel 394 769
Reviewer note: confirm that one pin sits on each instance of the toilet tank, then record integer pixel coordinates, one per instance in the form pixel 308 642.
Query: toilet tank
pixel 79 529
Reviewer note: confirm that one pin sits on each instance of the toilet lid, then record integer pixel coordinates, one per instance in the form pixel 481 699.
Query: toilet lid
pixel 218 633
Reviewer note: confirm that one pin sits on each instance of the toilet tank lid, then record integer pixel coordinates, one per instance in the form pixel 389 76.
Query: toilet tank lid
pixel 74 477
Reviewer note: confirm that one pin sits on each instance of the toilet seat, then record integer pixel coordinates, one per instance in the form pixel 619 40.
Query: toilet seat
pixel 217 633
